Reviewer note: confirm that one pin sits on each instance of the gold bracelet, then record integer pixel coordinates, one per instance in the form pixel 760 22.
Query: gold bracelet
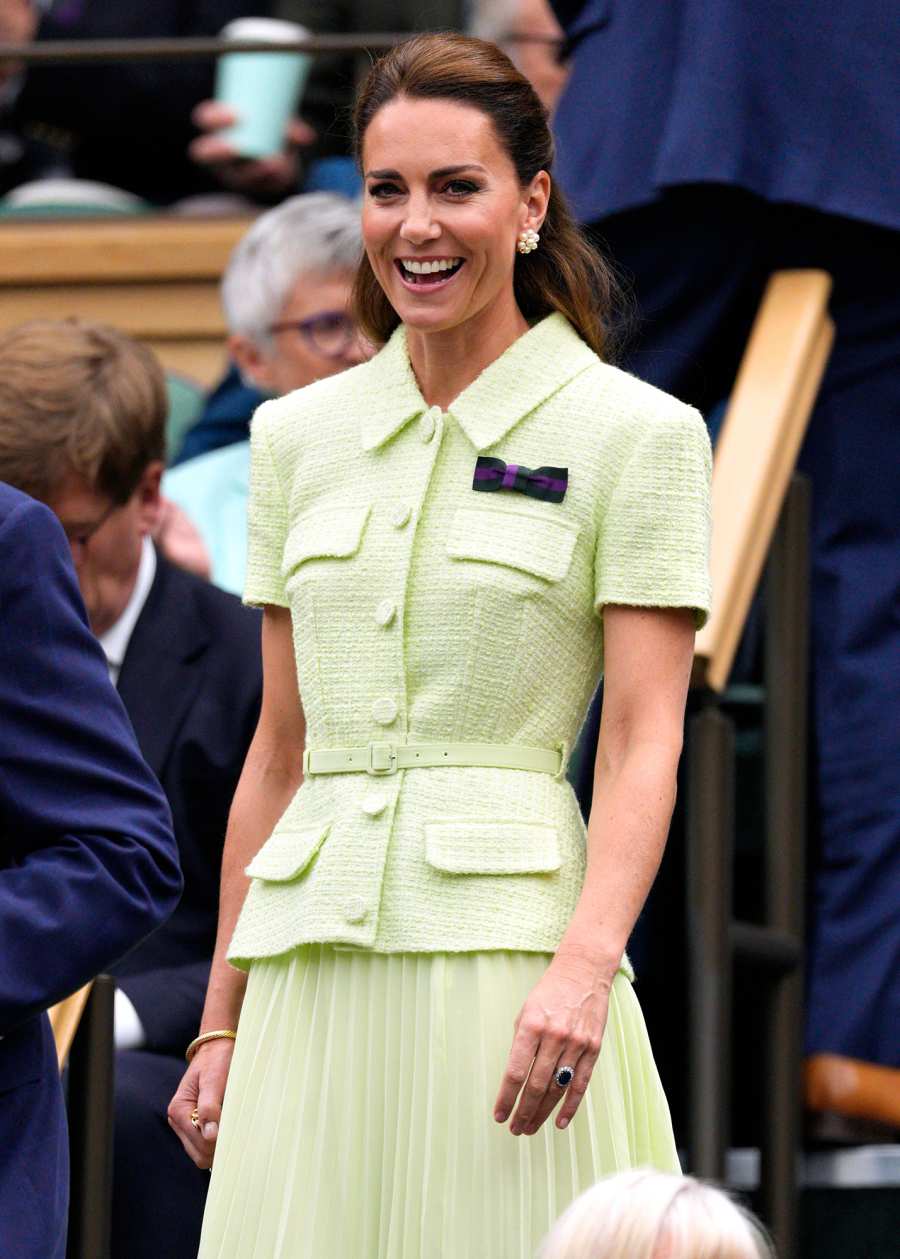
pixel 201 1040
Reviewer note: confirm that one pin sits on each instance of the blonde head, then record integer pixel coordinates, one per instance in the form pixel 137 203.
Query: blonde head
pixel 654 1215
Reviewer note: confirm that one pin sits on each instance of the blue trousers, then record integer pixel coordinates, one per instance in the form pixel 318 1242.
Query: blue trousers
pixel 698 260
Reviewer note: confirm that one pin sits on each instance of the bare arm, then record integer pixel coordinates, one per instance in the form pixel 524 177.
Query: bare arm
pixel 269 779
pixel 648 667
pixel 648 657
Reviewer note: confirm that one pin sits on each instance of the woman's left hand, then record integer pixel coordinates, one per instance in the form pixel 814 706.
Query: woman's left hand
pixel 560 1025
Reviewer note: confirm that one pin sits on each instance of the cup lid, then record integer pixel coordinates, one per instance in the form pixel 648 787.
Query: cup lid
pixel 272 30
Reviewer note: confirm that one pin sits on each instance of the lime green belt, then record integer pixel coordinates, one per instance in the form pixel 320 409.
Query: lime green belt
pixel 386 758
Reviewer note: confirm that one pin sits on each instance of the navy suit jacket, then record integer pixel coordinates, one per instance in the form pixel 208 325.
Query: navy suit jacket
pixel 795 100
pixel 191 682
pixel 88 863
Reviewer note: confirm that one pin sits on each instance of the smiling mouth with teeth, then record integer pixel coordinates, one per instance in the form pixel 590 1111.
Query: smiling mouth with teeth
pixel 428 272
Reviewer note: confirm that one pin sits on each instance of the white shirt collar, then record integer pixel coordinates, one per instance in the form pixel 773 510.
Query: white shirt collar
pixel 116 639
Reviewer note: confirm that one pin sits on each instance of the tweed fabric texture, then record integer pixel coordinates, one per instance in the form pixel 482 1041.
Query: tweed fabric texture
pixel 424 612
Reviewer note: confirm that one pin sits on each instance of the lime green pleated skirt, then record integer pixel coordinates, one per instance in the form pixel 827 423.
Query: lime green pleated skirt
pixel 357 1121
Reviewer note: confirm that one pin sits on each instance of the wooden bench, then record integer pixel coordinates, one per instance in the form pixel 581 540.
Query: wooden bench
pixel 156 278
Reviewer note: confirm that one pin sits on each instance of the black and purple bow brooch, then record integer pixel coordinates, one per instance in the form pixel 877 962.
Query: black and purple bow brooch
pixel 550 484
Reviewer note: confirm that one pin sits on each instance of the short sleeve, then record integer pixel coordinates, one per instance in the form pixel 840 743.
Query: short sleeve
pixel 267 519
pixel 653 536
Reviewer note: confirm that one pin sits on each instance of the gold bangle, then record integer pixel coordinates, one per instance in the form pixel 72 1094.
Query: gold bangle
pixel 195 1044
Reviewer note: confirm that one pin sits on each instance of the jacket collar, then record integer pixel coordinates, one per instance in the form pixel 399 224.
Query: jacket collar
pixel 534 367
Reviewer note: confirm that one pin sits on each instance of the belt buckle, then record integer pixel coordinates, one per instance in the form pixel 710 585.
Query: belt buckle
pixel 382 759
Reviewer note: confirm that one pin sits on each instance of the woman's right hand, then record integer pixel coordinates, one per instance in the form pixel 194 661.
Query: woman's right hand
pixel 202 1088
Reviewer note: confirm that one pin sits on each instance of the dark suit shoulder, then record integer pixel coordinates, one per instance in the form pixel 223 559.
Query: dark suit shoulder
pixel 221 612
pixel 220 606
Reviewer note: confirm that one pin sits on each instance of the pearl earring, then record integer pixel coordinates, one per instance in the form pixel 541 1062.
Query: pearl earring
pixel 528 241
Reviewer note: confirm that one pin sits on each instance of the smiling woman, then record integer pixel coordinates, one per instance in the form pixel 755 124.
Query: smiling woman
pixel 439 1045
pixel 456 152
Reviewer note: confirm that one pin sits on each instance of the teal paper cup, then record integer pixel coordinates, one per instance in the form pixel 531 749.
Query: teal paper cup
pixel 263 88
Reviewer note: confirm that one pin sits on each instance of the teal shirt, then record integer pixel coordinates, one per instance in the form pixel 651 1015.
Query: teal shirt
pixel 424 611
pixel 212 489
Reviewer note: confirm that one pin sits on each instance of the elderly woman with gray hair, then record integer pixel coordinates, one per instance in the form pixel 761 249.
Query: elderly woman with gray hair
pixel 646 1214
pixel 285 294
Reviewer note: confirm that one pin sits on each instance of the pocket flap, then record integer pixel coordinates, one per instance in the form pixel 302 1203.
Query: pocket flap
pixel 328 533
pixel 530 543
pixel 492 847
pixel 287 854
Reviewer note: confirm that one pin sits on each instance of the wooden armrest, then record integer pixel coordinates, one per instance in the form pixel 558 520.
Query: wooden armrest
pixel 764 426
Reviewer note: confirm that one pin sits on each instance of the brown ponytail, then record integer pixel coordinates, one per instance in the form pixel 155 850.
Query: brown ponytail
pixel 565 273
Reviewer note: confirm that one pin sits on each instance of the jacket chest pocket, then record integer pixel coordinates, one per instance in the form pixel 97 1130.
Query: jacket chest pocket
pixel 512 542
pixel 319 537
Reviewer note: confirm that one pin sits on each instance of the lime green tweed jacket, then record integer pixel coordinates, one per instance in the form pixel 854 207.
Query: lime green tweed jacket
pixel 426 612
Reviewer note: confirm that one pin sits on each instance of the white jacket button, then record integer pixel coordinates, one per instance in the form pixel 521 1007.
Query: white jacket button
pixel 374 803
pixel 400 516
pixel 355 909
pixel 385 612
pixel 427 426
pixel 384 711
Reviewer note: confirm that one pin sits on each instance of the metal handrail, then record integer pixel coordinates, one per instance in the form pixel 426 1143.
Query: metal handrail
pixel 66 51
pixel 775 948
pixel 90 1106
pixel 55 51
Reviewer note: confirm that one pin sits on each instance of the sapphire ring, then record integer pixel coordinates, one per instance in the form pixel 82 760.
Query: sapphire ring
pixel 563 1077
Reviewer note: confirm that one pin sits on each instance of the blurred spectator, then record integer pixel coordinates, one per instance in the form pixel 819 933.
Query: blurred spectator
pixel 530 35
pixel 286 293
pixel 328 95
pixel 18 23
pixel 125 123
pixel 709 143
pixel 646 1214
pixel 87 866
pixel 82 416
pixel 224 419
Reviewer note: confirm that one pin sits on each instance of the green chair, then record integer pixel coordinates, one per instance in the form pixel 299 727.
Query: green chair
pixel 185 404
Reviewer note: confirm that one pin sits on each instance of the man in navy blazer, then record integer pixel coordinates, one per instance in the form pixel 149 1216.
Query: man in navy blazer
pixel 708 143
pixel 82 426
pixel 88 863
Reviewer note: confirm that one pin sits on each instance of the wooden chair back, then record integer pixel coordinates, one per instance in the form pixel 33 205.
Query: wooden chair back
pixel 756 452
pixel 64 1019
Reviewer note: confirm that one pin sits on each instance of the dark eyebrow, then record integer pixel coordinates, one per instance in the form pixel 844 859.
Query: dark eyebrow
pixel 456 170
pixel 435 174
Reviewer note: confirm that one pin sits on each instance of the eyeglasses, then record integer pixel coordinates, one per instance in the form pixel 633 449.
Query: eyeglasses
pixel 331 333
pixel 79 536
